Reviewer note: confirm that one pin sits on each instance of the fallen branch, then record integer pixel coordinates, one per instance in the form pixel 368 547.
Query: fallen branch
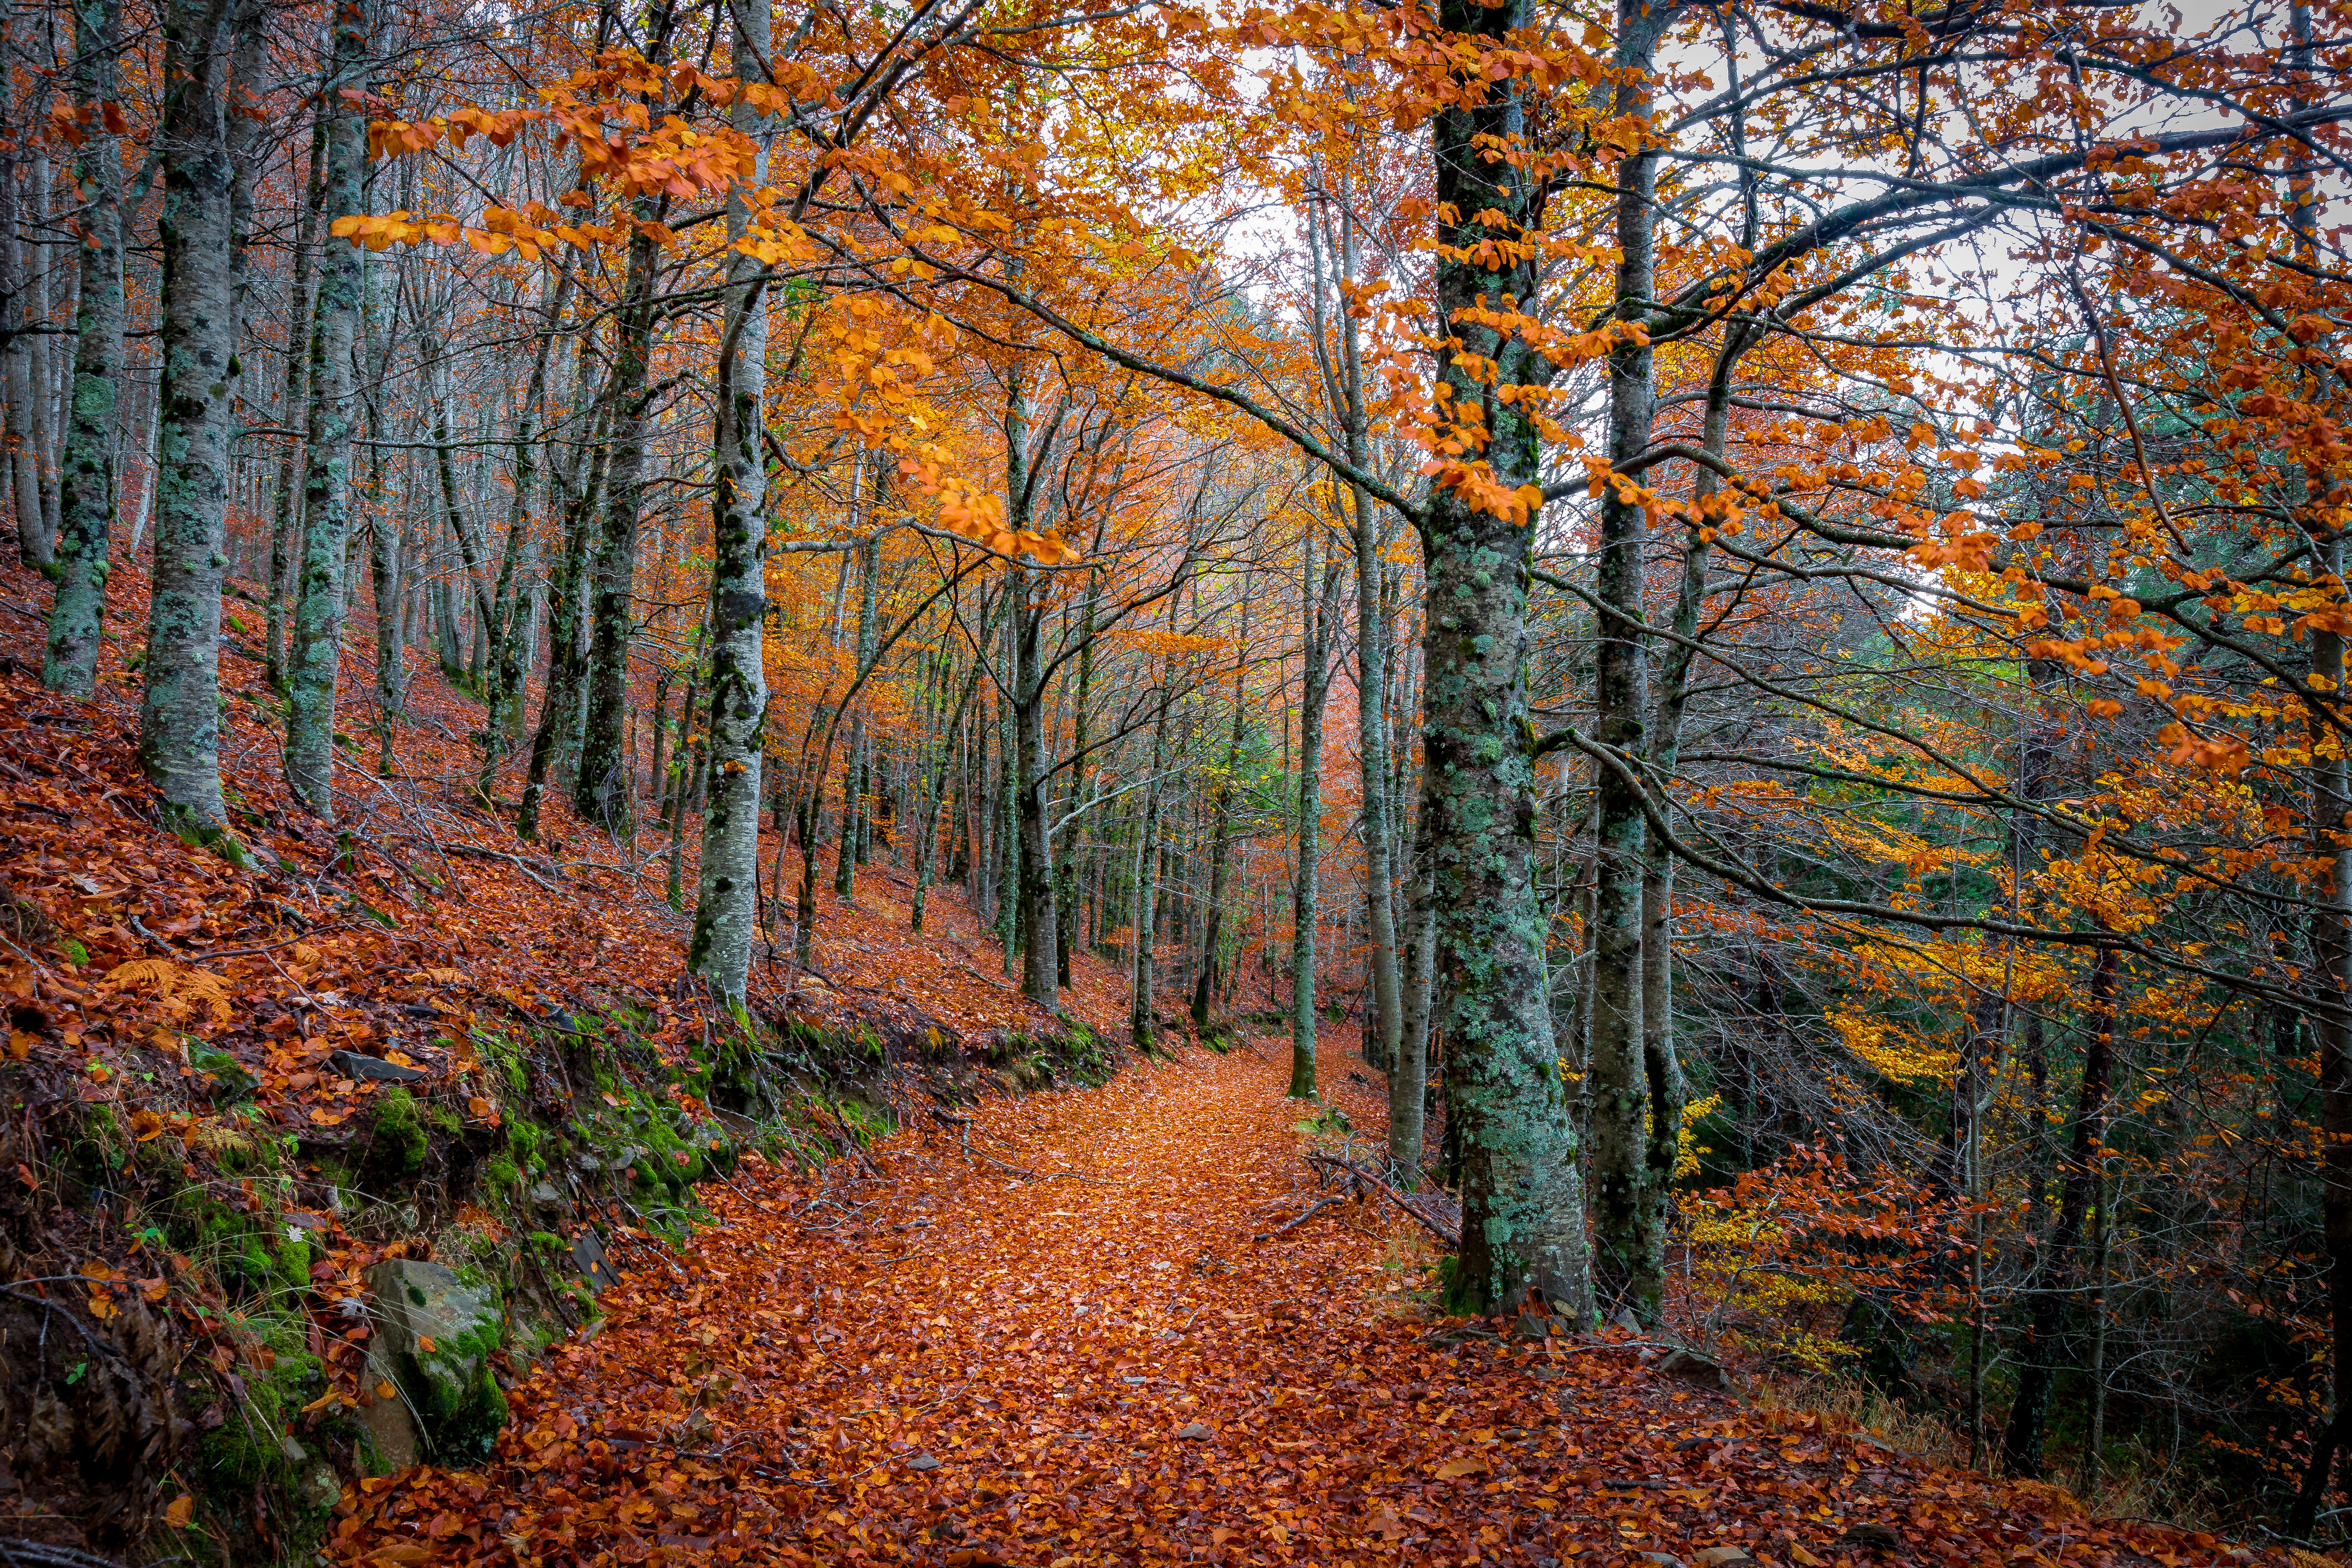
pixel 480 853
pixel 1317 1207
pixel 1357 1173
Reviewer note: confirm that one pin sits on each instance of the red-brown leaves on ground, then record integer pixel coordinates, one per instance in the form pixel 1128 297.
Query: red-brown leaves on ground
pixel 1064 1338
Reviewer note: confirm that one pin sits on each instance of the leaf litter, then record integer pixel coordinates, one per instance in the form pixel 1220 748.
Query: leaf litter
pixel 1060 1333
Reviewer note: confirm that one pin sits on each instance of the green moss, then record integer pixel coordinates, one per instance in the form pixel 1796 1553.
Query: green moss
pixel 522 1144
pixel 219 1075
pixel 250 1447
pixel 397 1136
pixel 294 1262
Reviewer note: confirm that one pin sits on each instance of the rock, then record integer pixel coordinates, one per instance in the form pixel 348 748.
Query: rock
pixel 352 1065
pixel 1692 1367
pixel 1530 1327
pixel 1195 1433
pixel 1877 1537
pixel 922 1462
pixel 1718 1556
pixel 322 1488
pixel 1663 1559
pixel 221 1076
pixel 434 1336
pixel 546 1196
pixel 1626 1320
pixel 389 1429
pixel 588 1257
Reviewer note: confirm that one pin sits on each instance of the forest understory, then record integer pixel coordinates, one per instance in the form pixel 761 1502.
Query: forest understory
pixel 1059 1326
pixel 688 692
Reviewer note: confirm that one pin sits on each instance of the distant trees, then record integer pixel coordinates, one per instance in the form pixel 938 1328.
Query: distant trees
pixel 1850 505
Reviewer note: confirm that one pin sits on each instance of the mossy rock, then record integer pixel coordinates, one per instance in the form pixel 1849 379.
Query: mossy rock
pixel 434 1338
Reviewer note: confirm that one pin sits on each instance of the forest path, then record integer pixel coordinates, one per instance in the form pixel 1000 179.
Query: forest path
pixel 1062 1336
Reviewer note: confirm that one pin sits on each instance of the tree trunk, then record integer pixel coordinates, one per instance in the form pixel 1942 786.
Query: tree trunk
pixel 1314 685
pixel 1041 970
pixel 1630 1241
pixel 87 500
pixel 179 716
pixel 1522 1195
pixel 602 790
pixel 503 694
pixel 1220 841
pixel 1140 1016
pixel 727 886
pixel 869 599
pixel 2053 1281
pixel 312 664
pixel 1067 906
pixel 299 326
pixel 1409 1074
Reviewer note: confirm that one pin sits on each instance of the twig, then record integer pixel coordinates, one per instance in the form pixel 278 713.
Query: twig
pixel 1317 1207
pixel 1436 1228
pixel 480 852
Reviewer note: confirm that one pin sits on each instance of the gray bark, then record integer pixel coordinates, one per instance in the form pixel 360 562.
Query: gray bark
pixel 503 699
pixel 314 661
pixel 1409 1075
pixel 1141 1016
pixel 1522 1195
pixel 1221 844
pixel 1317 608
pixel 297 370
pixel 726 902
pixel 1630 1240
pixel 179 715
pixel 87 498
pixel 601 791
pixel 17 361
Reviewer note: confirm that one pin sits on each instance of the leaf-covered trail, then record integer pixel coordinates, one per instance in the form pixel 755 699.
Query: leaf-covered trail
pixel 1053 1336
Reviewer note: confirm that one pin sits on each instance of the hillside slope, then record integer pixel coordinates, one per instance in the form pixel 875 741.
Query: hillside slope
pixel 406 1035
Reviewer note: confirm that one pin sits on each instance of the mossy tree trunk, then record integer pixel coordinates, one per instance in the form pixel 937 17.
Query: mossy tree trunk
pixel 313 664
pixel 1522 1195
pixel 87 499
pixel 727 888
pixel 179 714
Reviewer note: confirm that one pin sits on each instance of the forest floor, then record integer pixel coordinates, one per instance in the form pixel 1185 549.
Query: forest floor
pixel 1065 1332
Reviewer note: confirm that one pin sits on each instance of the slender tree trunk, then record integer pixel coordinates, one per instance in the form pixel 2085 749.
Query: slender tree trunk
pixel 25 361
pixel 1630 1242
pixel 1409 1074
pixel 86 506
pixel 179 716
pixel 387 560
pixel 560 701
pixel 869 599
pixel 935 790
pixel 313 665
pixel 2051 1285
pixel 503 697
pixel 1141 1019
pixel 602 790
pixel 1221 840
pixel 1041 970
pixel 41 278
pixel 1522 1195
pixel 1314 685
pixel 298 327
pixel 1066 907
pixel 727 884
